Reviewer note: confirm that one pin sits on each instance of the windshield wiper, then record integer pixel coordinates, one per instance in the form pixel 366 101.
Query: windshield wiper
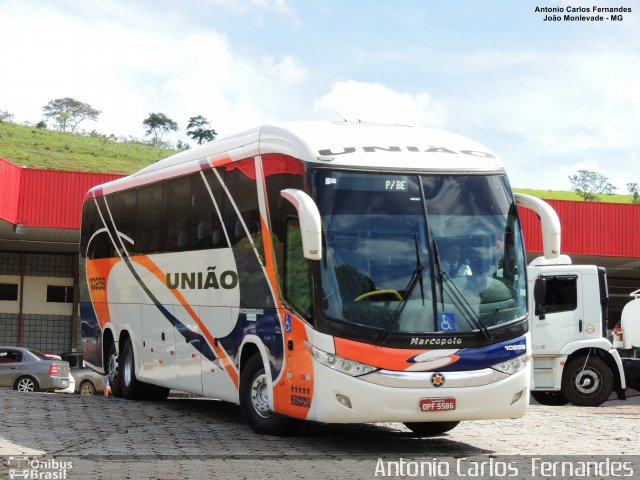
pixel 415 277
pixel 458 298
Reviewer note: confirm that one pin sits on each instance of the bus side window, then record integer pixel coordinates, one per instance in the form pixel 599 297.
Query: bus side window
pixel 297 284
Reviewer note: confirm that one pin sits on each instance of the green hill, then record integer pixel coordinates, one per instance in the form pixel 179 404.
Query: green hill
pixel 41 148
pixel 560 195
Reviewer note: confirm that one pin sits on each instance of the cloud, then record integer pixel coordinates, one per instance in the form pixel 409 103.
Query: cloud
pixel 287 71
pixel 128 70
pixel 374 102
pixel 258 8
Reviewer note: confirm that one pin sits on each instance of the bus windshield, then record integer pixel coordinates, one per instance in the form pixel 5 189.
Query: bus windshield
pixel 420 253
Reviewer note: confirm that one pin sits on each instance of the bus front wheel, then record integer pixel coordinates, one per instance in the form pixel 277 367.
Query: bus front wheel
pixel 254 400
pixel 430 429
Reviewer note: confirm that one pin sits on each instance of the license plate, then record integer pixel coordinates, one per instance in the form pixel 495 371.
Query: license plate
pixel 65 383
pixel 437 404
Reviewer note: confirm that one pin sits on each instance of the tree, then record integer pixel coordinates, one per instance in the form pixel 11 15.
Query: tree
pixel 634 190
pixel 68 112
pixel 588 184
pixel 180 146
pixel 198 131
pixel 157 124
pixel 6 116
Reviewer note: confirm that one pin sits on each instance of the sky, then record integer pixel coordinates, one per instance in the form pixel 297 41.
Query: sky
pixel 550 98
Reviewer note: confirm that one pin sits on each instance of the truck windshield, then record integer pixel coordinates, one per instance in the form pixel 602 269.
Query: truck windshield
pixel 420 253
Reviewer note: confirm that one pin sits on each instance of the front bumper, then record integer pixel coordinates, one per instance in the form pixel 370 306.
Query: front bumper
pixel 505 396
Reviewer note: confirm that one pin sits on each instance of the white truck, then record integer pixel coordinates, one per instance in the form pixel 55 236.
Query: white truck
pixel 573 359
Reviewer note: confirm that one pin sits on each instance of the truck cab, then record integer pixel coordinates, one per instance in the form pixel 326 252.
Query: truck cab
pixel 573 360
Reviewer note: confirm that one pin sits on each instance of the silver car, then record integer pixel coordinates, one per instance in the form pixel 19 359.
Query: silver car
pixel 29 370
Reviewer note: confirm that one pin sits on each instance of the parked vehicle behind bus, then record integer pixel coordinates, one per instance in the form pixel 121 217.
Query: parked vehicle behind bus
pixel 299 270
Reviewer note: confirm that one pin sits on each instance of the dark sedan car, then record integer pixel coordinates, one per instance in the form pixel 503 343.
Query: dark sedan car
pixel 29 370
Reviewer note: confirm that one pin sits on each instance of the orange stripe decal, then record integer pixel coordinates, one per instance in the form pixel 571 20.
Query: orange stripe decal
pixel 226 361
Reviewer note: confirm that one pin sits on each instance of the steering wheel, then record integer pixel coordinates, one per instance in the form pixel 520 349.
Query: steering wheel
pixel 378 292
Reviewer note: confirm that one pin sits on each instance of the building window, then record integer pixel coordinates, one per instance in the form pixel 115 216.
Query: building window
pixel 60 293
pixel 9 291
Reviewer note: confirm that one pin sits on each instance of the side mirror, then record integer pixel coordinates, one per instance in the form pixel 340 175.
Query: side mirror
pixel 310 224
pixel 539 296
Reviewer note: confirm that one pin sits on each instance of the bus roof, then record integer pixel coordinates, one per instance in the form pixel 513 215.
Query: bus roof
pixel 344 144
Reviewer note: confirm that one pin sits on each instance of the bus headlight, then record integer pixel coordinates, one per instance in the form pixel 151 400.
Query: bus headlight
pixel 513 365
pixel 343 365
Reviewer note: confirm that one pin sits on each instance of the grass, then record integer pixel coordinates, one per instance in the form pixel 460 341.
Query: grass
pixel 561 195
pixel 49 150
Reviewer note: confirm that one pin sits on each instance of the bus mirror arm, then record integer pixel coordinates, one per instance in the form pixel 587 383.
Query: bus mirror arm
pixel 310 224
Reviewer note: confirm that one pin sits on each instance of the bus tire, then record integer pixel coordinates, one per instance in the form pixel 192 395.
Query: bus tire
pixel 112 371
pixel 587 381
pixel 253 400
pixel 430 429
pixel 545 397
pixel 132 388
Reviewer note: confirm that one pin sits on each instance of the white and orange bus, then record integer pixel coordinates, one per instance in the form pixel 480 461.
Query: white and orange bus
pixel 332 272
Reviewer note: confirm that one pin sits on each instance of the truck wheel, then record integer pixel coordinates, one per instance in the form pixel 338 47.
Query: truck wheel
pixel 549 398
pixel 587 382
pixel 131 387
pixel 430 429
pixel 253 401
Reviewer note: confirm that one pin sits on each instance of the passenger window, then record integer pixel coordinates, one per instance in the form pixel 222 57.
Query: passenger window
pixel 204 223
pixel 240 180
pixel 148 219
pixel 10 356
pixel 561 294
pixel 297 288
pixel 123 211
pixel 175 215
pixel 100 246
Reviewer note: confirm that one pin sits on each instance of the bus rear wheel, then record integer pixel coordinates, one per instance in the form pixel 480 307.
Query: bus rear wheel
pixel 430 429
pixel 254 401
pixel 111 370
pixel 132 388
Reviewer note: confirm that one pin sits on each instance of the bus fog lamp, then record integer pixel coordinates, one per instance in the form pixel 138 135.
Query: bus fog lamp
pixel 343 400
pixel 517 397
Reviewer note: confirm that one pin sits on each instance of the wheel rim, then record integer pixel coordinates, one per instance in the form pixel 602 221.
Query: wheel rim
pixel 26 385
pixel 259 398
pixel 127 368
pixel 86 389
pixel 112 369
pixel 587 382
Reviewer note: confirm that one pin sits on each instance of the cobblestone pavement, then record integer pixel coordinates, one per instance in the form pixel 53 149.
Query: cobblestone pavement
pixel 196 438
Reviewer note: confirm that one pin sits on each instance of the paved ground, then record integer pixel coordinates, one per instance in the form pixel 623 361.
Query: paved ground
pixel 200 438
